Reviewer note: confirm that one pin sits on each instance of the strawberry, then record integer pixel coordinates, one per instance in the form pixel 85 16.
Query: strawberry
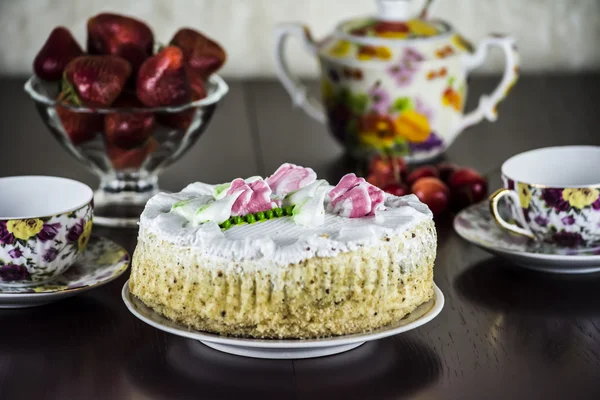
pixel 120 36
pixel 95 81
pixel 133 158
pixel 201 53
pixel 197 85
pixel 162 80
pixel 80 127
pixel 55 54
pixel 128 130
pixel 180 120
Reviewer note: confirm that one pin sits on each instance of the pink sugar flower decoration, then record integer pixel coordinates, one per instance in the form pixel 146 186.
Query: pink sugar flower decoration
pixel 353 197
pixel 255 197
pixel 289 178
pixel 345 184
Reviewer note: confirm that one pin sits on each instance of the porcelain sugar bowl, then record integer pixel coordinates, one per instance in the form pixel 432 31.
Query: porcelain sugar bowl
pixel 396 83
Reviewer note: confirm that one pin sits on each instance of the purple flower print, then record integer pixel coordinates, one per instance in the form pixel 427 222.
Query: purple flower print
pixel 50 254
pixel 568 220
pixel 465 223
pixel 596 204
pixel 380 99
pixel 510 184
pixel 422 108
pixel 411 57
pixel 526 214
pixel 402 75
pixel 403 72
pixel 15 253
pixel 567 239
pixel 337 118
pixel 12 272
pixel 553 198
pixel 75 231
pixel 49 232
pixel 5 236
pixel 433 141
pixel 541 221
pixel 334 75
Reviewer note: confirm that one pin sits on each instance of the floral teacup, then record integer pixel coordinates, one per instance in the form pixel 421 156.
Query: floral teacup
pixel 555 195
pixel 45 223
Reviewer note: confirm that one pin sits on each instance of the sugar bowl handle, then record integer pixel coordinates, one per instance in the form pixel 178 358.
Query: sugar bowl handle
pixel 487 104
pixel 298 92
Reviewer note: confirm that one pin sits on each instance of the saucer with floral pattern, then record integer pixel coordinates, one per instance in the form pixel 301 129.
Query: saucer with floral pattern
pixel 476 225
pixel 102 262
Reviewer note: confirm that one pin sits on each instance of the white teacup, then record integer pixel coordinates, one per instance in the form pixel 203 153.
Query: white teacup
pixel 45 223
pixel 555 193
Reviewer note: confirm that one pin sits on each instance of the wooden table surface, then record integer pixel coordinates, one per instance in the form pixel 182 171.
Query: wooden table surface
pixel 505 333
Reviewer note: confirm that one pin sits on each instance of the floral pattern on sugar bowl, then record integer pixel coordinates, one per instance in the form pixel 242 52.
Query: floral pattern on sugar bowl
pixel 567 217
pixel 395 83
pixel 36 250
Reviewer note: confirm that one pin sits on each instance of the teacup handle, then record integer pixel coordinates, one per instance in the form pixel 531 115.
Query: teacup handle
pixel 487 104
pixel 298 92
pixel 495 199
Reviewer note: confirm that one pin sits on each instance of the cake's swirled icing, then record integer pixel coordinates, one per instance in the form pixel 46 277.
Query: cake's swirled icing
pixel 278 241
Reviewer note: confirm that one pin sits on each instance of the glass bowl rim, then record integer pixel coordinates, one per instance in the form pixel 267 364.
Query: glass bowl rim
pixel 221 89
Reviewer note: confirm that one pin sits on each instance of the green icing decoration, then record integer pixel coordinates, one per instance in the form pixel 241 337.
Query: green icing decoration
pixel 288 210
pixel 220 188
pixel 180 203
pixel 258 216
pixel 202 208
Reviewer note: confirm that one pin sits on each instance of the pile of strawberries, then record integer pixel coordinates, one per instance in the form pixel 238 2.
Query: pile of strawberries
pixel 121 70
pixel 443 187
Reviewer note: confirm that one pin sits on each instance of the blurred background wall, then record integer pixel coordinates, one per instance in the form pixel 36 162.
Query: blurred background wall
pixel 552 35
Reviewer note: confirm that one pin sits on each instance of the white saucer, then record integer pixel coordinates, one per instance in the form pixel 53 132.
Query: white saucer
pixel 284 349
pixel 102 262
pixel 476 225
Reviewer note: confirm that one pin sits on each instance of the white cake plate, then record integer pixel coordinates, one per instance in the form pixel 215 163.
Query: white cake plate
pixel 285 348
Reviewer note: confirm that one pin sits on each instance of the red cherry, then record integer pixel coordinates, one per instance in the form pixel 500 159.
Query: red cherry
pixel 381 180
pixel 396 189
pixel 386 165
pixel 421 172
pixel 445 170
pixel 432 192
pixel 467 187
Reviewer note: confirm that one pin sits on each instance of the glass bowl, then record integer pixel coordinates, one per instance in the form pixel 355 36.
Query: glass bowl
pixel 126 148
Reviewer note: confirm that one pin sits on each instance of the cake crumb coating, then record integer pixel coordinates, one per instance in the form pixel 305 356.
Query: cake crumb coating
pixel 352 292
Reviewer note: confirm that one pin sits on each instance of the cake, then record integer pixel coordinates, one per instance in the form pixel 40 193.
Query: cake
pixel 289 256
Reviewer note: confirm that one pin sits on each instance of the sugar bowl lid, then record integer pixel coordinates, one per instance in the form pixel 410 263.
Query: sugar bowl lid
pixel 395 20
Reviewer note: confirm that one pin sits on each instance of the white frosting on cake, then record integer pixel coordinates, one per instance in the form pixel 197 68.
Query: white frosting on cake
pixel 277 241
